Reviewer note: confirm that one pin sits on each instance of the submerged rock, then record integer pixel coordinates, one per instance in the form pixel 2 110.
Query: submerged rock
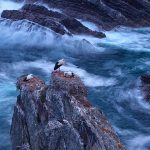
pixel 59 116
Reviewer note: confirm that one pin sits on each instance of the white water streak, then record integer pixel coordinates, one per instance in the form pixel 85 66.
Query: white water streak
pixel 128 38
pixel 90 80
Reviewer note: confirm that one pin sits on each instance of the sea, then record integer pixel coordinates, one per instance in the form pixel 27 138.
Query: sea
pixel 110 69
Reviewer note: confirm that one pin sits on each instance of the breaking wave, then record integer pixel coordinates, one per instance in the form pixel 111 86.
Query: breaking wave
pixel 25 33
pixel 109 67
pixel 128 39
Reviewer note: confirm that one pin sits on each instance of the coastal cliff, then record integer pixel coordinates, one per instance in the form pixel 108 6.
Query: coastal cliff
pixel 59 116
pixel 67 16
pixel 105 14
pixel 58 22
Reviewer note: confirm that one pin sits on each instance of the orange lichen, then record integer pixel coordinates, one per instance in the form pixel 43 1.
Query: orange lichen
pixel 85 103
pixel 106 130
pixel 120 146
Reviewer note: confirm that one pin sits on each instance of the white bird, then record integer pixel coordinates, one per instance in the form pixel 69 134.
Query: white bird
pixel 68 74
pixel 28 77
pixel 59 63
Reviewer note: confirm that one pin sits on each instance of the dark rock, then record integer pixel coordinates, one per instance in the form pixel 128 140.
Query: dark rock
pixel 76 27
pixel 145 80
pixel 58 22
pixel 107 13
pixel 41 16
pixel 59 116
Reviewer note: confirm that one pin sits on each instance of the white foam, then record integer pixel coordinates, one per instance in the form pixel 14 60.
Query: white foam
pixel 139 142
pixel 128 38
pixel 125 132
pixel 135 140
pixel 3 76
pixel 48 7
pixel 25 33
pixel 9 5
pixel 146 62
pixel 89 25
pixel 89 79
pixel 92 40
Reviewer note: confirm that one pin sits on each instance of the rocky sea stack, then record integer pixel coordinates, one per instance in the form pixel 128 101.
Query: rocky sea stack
pixel 58 116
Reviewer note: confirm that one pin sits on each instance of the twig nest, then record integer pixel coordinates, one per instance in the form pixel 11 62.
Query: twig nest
pixel 68 74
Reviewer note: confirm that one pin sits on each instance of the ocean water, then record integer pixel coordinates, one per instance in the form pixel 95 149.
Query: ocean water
pixel 110 68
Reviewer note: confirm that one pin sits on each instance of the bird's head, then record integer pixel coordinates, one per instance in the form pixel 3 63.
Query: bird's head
pixel 63 61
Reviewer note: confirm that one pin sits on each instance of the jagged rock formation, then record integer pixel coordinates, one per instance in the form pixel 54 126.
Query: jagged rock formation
pixel 56 21
pixel 145 79
pixel 59 116
pixel 126 12
pixel 106 14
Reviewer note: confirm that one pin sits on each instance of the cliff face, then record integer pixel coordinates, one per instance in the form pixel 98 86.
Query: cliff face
pixel 59 116
pixel 56 21
pixel 105 14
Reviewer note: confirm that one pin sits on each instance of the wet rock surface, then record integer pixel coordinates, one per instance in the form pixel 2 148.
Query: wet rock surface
pixel 59 116
pixel 58 22
pixel 145 80
pixel 105 14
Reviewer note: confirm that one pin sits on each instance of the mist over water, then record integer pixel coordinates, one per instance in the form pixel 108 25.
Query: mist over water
pixel 110 68
pixel 9 5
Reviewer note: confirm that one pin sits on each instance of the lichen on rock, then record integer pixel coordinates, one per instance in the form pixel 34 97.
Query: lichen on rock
pixel 59 116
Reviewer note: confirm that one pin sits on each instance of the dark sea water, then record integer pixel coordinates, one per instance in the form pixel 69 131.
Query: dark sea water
pixel 110 68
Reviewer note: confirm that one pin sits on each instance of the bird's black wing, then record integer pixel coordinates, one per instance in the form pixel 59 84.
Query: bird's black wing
pixel 56 66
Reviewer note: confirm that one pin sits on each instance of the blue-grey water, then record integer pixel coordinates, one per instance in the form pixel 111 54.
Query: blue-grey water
pixel 110 68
